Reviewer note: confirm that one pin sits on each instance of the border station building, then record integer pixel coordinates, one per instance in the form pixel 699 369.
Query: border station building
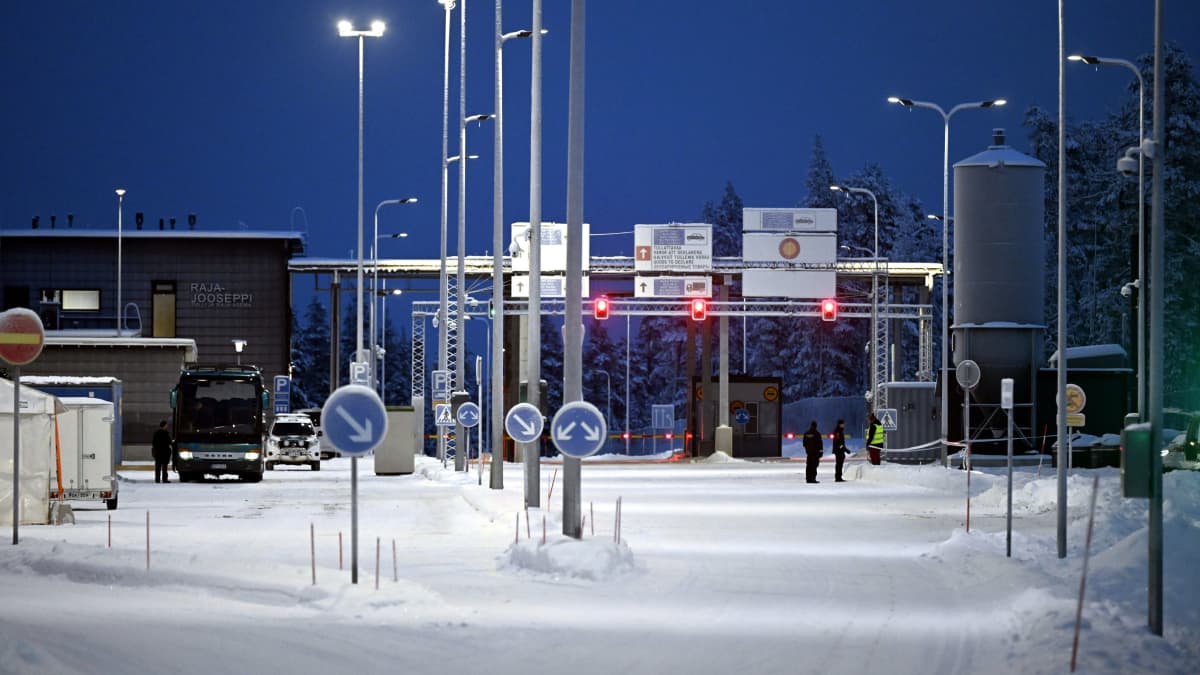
pixel 187 296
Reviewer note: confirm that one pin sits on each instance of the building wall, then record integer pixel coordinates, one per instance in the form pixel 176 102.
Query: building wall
pixel 226 287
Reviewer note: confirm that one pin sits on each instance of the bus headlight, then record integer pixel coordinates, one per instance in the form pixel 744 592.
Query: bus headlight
pixel 252 456
pixel 185 454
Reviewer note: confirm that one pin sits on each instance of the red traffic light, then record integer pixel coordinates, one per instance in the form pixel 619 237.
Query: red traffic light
pixel 829 309
pixel 600 307
pixel 699 309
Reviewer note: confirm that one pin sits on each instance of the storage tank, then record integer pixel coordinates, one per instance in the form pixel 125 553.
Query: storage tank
pixel 999 278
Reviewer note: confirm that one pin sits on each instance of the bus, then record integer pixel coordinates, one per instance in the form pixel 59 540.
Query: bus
pixel 219 422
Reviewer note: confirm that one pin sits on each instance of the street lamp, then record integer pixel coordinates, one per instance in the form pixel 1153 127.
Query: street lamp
pixel 909 103
pixel 878 352
pixel 496 476
pixel 120 201
pixel 443 282
pixel 1141 274
pixel 375 273
pixel 461 277
pixel 238 346
pixel 384 293
pixel 345 29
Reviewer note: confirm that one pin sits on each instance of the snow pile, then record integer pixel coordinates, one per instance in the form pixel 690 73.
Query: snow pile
pixel 561 556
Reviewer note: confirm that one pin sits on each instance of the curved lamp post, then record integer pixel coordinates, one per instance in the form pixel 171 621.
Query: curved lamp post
pixel 1141 274
pixel 910 103
pixel 878 352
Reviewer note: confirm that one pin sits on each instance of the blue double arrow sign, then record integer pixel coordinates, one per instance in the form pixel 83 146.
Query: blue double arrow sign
pixel 579 429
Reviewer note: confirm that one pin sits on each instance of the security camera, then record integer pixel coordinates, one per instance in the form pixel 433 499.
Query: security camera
pixel 1128 165
pixel 1128 288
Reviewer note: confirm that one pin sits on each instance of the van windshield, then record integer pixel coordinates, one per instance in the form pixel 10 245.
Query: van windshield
pixel 292 429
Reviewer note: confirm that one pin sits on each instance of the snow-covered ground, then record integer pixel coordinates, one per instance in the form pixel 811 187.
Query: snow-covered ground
pixel 723 567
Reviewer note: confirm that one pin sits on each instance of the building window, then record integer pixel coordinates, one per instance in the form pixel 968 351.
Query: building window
pixel 80 300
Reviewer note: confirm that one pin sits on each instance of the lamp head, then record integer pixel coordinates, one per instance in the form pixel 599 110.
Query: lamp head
pixel 1090 60
pixel 239 345
pixel 120 192
pixel 906 102
pixel 993 102
pixel 345 29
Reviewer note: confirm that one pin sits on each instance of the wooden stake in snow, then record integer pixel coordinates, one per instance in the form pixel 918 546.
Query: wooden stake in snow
pixel 312 551
pixel 339 549
pixel 543 529
pixel 592 509
pixel 110 530
pixel 147 540
pixel 1087 548
pixel 395 571
pixel 528 532
pixel 550 494
pixel 376 563
pixel 617 522
pixel 517 529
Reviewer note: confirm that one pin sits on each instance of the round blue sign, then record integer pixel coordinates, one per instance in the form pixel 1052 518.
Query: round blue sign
pixel 468 414
pixel 354 419
pixel 741 416
pixel 524 422
pixel 579 429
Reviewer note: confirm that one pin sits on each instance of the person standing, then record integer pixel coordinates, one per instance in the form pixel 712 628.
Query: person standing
pixel 839 450
pixel 814 447
pixel 874 438
pixel 160 447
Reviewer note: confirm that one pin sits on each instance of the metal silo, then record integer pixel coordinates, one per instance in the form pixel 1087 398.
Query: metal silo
pixel 999 280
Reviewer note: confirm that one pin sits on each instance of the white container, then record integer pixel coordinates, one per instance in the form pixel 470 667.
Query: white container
pixel 85 436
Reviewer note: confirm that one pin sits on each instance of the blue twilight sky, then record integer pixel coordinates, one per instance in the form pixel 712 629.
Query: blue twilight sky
pixel 240 111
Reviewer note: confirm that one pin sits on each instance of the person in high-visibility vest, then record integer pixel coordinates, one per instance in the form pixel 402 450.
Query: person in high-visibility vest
pixel 874 438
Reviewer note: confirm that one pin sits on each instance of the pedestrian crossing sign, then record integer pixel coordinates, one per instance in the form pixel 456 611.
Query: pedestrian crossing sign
pixel 442 416
pixel 887 417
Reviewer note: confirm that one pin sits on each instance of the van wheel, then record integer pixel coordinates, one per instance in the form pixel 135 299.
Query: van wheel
pixel 111 504
pixel 316 466
pixel 270 466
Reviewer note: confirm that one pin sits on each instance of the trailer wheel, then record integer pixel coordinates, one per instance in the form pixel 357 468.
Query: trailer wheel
pixel 111 504
pixel 316 466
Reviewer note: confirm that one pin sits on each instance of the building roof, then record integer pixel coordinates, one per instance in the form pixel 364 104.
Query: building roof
pixel 295 240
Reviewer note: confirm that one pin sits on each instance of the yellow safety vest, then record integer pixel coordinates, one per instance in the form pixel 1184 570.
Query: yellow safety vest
pixel 877 437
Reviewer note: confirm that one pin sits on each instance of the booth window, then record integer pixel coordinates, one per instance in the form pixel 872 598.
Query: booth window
pixel 80 300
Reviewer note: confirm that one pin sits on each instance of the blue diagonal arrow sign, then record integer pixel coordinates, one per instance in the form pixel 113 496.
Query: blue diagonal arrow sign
pixel 524 422
pixel 579 429
pixel 355 420
pixel 468 414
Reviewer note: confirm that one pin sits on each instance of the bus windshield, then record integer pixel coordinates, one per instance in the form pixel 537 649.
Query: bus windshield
pixel 218 406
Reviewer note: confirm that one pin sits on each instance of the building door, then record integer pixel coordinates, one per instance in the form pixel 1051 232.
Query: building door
pixel 163 307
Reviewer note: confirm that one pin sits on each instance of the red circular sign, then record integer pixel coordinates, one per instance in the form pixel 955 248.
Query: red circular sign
pixel 789 248
pixel 21 336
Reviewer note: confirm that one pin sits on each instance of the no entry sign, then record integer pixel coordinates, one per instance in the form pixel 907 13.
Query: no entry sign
pixel 21 336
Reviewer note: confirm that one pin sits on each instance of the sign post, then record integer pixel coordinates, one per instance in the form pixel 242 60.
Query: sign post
pixel 1006 402
pixel 21 340
pixel 355 422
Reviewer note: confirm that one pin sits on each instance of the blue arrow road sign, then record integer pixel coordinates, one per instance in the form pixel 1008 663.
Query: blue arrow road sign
pixel 354 419
pixel 579 430
pixel 468 414
pixel 524 422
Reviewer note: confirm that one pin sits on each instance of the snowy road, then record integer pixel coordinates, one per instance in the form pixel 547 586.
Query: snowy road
pixel 736 567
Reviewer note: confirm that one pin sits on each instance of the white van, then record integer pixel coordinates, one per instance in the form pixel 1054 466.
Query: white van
pixel 85 436
pixel 293 440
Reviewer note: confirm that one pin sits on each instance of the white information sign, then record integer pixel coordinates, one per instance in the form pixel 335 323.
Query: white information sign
pixel 554 247
pixel 789 220
pixel 672 248
pixel 816 247
pixel 798 284
pixel 553 286
pixel 672 287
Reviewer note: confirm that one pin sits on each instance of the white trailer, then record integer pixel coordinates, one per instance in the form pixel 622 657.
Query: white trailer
pixel 85 439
